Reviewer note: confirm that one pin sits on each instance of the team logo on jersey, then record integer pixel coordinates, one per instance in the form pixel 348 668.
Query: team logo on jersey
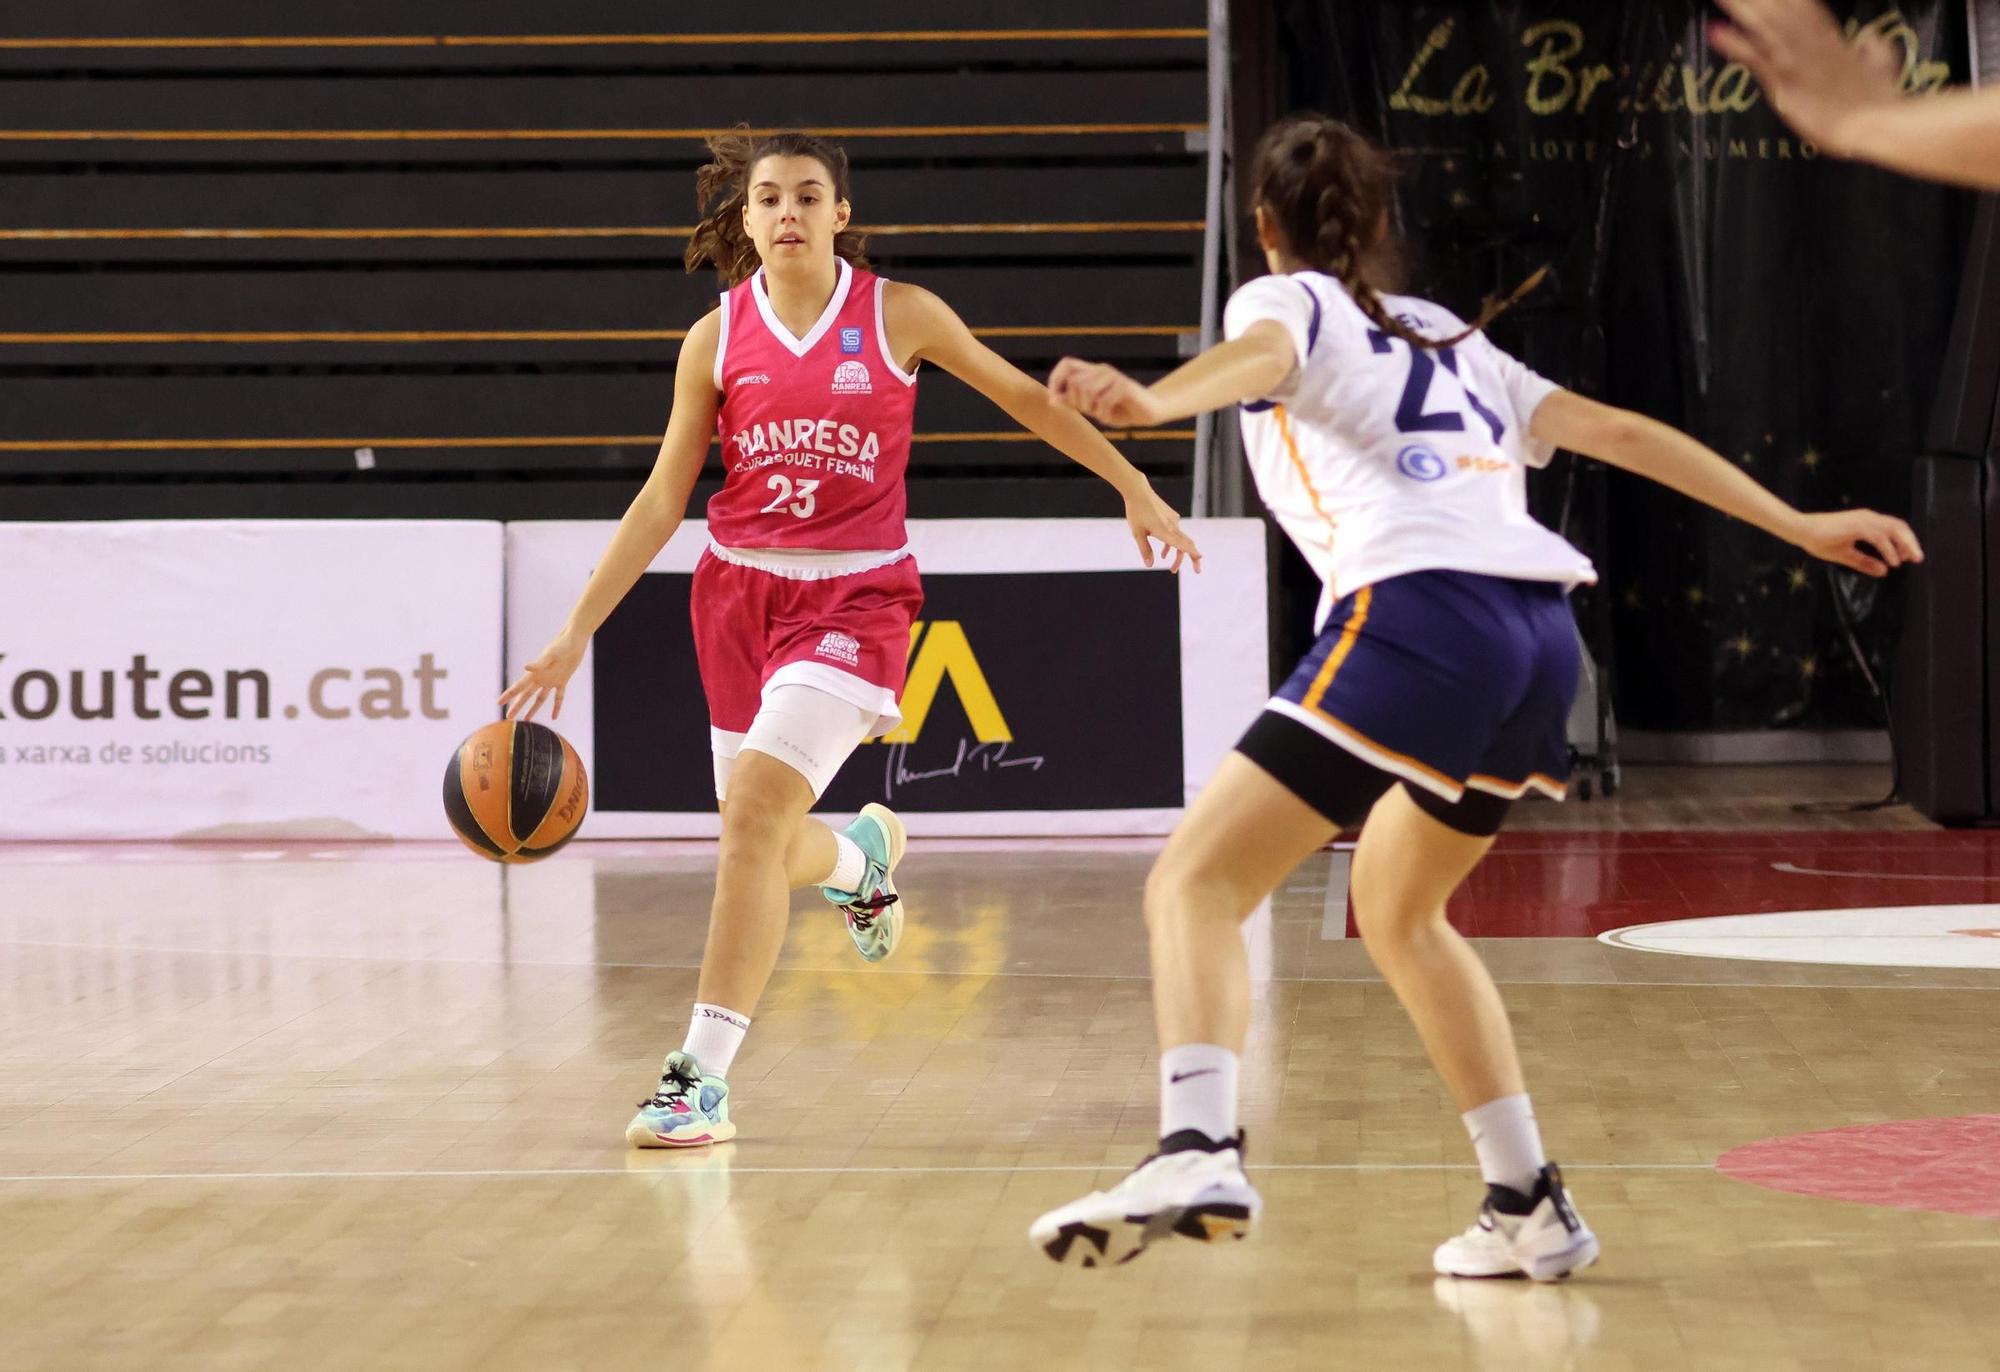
pixel 850 341
pixel 851 378
pixel 754 379
pixel 1419 463
pixel 840 647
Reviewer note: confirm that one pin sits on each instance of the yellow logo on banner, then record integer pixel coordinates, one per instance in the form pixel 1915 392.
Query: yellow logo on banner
pixel 945 652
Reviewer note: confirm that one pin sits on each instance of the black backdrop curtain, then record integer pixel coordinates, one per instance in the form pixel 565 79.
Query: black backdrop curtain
pixel 1711 270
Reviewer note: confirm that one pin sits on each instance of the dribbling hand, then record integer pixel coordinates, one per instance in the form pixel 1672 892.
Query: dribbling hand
pixel 1868 542
pixel 544 679
pixel 1104 393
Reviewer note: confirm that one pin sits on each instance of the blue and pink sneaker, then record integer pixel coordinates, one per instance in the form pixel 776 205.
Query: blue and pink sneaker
pixel 875 912
pixel 688 1111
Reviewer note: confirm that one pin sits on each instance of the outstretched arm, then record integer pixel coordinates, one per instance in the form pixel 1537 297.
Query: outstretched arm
pixel 648 523
pixel 1227 374
pixel 1846 96
pixel 1862 539
pixel 925 328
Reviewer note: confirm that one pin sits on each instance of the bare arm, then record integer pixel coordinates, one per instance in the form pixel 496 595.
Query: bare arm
pixel 1848 97
pixel 1227 374
pixel 925 328
pixel 1952 137
pixel 651 519
pixel 1861 539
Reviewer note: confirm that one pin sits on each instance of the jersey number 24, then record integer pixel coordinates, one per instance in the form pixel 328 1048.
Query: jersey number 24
pixel 1411 417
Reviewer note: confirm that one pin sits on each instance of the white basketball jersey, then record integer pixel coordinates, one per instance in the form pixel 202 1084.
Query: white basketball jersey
pixel 1378 459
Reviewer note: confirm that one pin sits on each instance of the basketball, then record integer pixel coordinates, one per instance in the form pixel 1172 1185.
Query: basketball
pixel 515 791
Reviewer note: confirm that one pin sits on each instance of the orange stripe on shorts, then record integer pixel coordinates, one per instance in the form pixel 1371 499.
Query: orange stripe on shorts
pixel 1341 649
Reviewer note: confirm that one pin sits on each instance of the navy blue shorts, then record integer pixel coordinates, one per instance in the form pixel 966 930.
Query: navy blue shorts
pixel 1449 680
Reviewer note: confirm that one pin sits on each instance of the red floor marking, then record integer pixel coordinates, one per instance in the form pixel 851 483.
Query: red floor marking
pixel 1549 885
pixel 1947 1165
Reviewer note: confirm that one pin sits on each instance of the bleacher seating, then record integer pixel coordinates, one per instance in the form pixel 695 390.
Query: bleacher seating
pixel 248 241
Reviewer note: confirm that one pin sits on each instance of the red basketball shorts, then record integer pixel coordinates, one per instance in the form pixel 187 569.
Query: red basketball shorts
pixel 847 635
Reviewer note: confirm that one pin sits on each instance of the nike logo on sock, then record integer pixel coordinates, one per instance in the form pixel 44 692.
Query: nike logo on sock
pixel 1180 1077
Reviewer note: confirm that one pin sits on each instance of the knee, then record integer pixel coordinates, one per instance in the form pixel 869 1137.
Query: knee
pixel 754 824
pixel 1187 888
pixel 1388 926
pixel 1387 912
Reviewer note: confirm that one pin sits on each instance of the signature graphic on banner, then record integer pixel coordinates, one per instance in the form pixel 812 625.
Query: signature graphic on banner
pixel 944 651
pixel 972 757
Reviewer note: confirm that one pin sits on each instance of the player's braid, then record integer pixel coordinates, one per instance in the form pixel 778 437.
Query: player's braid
pixel 1327 188
pixel 1344 204
pixel 721 186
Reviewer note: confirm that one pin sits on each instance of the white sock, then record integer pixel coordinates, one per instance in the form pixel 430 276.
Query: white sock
pixel 1508 1142
pixel 1198 1090
pixel 714 1035
pixel 850 865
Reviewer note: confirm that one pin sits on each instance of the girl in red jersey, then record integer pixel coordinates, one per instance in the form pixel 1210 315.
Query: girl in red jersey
pixel 804 599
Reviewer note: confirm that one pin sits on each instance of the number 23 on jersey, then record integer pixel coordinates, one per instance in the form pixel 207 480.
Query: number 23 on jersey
pixel 797 499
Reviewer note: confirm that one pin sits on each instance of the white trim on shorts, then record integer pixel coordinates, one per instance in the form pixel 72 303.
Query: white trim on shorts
pixel 808 564
pixel 1376 756
pixel 1366 751
pixel 1493 786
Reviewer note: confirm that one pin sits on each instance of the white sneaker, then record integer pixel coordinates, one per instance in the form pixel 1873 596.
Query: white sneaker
pixel 1548 1243
pixel 1196 1194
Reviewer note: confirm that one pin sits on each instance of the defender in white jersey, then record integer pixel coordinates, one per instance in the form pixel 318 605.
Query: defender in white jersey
pixel 1391 442
pixel 1380 458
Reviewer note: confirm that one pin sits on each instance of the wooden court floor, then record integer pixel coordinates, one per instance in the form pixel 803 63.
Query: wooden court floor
pixel 297 1107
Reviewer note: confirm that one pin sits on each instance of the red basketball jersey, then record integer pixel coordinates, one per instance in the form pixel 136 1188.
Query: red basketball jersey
pixel 815 430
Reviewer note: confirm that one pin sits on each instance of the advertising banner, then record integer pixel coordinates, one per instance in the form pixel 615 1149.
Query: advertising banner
pixel 275 678
pixel 1055 685
pixel 1711 269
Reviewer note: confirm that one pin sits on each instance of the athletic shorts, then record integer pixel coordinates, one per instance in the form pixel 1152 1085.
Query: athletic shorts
pixel 1449 680
pixel 846 634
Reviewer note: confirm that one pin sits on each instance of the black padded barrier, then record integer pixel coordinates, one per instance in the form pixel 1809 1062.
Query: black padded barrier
pixel 1945 693
pixel 1938 694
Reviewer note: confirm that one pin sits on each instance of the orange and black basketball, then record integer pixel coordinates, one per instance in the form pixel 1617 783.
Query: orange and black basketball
pixel 515 791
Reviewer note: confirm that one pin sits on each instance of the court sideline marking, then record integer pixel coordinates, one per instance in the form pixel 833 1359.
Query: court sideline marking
pixel 505 1172
pixel 1002 972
